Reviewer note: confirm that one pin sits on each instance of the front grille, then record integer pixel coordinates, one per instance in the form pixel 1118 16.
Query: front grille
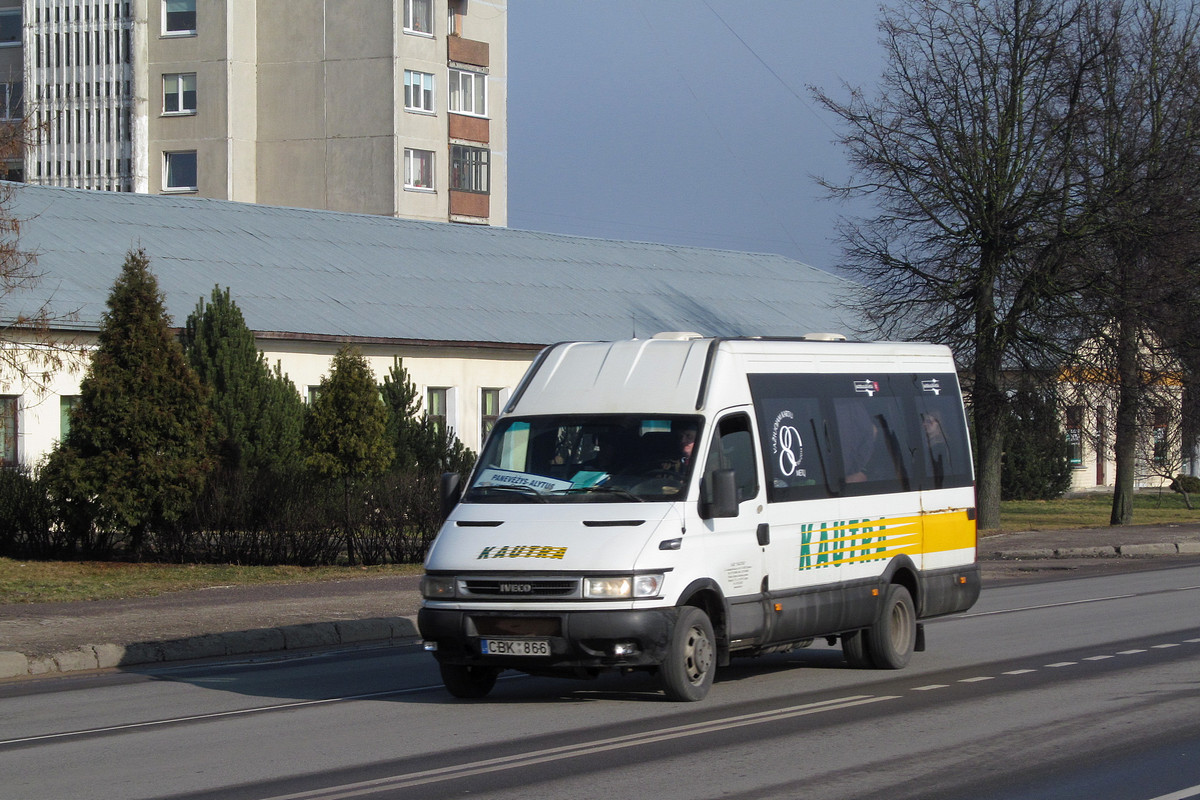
pixel 518 588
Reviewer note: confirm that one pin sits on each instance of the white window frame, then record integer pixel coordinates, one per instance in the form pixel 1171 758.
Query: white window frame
pixel 13 12
pixel 179 93
pixel 466 84
pixel 412 157
pixel 418 17
pixel 419 94
pixel 180 31
pixel 10 419
pixel 168 156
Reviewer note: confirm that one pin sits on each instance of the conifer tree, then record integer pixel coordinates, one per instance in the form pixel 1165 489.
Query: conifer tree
pixel 136 454
pixel 421 445
pixel 257 413
pixel 347 429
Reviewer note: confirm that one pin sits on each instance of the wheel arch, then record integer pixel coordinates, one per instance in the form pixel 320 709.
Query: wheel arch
pixel 901 570
pixel 706 595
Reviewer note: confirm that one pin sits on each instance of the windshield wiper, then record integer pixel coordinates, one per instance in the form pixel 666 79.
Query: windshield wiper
pixel 605 489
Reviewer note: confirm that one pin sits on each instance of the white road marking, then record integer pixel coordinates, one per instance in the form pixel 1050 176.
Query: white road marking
pixel 1182 794
pixel 571 751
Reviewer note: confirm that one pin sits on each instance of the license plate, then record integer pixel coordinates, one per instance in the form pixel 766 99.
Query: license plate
pixel 515 647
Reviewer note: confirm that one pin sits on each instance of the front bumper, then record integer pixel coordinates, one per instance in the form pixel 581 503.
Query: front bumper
pixel 578 639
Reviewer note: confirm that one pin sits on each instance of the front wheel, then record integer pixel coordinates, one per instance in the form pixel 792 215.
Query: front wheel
pixel 891 640
pixel 687 672
pixel 468 682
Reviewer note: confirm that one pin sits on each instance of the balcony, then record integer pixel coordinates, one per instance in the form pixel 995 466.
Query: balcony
pixel 467 51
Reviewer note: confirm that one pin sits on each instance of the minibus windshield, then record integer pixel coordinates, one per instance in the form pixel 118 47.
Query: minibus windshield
pixel 586 458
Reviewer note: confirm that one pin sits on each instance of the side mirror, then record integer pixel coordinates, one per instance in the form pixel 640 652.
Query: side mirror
pixel 724 495
pixel 451 492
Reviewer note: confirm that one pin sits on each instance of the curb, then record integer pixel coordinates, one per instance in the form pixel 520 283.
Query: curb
pixel 1106 551
pixel 235 643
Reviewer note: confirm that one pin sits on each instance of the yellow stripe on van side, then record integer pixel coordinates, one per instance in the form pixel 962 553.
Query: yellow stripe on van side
pixel 827 545
pixel 949 530
pixel 856 541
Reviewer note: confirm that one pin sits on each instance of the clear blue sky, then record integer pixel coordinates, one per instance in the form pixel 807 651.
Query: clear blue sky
pixel 683 121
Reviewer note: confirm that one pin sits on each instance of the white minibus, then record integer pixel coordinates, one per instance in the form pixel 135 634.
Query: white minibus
pixel 667 504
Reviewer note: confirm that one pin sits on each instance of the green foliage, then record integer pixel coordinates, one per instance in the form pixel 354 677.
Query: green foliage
pixel 421 444
pixel 136 455
pixel 1036 454
pixel 1186 484
pixel 258 416
pixel 347 424
pixel 347 431
pixel 25 528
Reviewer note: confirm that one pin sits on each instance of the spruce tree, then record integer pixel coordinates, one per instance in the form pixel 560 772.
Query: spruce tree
pixel 257 413
pixel 1037 458
pixel 347 430
pixel 421 445
pixel 136 455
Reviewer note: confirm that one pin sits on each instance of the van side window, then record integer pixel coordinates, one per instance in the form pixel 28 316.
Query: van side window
pixel 860 434
pixel 732 448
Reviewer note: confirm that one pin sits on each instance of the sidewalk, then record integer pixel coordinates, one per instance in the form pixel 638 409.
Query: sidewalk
pixel 44 638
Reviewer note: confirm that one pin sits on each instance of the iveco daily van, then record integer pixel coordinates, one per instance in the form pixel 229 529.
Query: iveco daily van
pixel 669 503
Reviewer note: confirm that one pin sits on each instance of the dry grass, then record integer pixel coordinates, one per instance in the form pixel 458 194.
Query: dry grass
pixel 66 581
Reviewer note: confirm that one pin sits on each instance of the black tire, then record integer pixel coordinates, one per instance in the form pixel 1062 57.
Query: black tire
pixel 891 640
pixel 856 650
pixel 687 672
pixel 468 682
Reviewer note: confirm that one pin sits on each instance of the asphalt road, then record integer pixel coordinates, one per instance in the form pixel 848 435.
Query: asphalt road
pixel 1066 688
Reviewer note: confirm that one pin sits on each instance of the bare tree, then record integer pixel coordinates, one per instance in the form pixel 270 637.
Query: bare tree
pixel 31 349
pixel 967 150
pixel 1141 160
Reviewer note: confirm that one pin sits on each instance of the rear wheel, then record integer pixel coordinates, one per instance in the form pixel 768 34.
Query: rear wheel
pixel 854 648
pixel 891 640
pixel 687 672
pixel 468 682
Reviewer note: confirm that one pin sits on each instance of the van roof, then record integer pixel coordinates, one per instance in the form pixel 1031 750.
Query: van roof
pixel 675 375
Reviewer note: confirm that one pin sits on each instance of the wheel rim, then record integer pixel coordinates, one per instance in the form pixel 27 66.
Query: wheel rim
pixel 697 655
pixel 901 628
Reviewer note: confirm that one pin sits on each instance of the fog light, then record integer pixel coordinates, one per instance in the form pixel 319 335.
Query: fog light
pixel 624 649
pixel 430 647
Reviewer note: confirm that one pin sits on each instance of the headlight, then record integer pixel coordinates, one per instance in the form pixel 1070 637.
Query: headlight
pixel 437 587
pixel 622 587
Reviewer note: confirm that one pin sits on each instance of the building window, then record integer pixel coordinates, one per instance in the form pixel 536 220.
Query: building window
pixel 468 92
pixel 435 406
pixel 489 411
pixel 313 393
pixel 180 171
pixel 418 16
pixel 470 169
pixel 456 9
pixel 1074 430
pixel 179 17
pixel 66 404
pixel 12 101
pixel 1160 437
pixel 418 169
pixel 10 27
pixel 8 430
pixel 418 91
pixel 179 93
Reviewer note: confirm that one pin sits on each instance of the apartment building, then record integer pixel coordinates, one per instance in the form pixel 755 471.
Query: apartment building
pixel 393 107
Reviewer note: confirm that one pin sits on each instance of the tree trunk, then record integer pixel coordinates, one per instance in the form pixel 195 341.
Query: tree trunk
pixel 1128 402
pixel 349 525
pixel 987 402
